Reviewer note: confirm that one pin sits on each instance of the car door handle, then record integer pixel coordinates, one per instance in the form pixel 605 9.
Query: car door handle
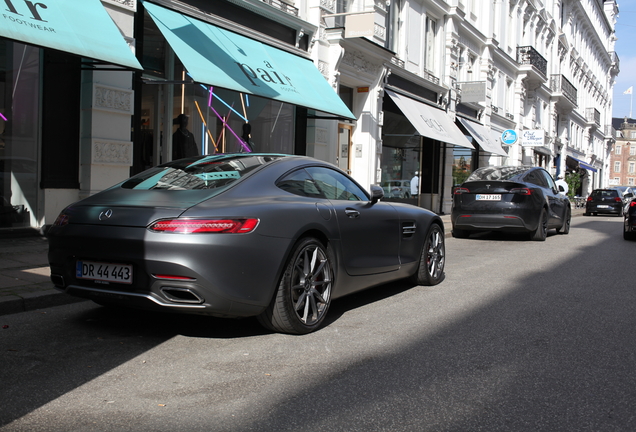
pixel 351 213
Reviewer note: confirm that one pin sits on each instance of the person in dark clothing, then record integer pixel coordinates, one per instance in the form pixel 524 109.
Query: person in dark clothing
pixel 183 144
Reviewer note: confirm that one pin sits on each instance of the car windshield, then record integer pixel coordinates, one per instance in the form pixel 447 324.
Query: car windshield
pixel 208 172
pixel 497 173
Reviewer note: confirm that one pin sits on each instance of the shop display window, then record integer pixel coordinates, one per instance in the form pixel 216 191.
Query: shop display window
pixel 19 129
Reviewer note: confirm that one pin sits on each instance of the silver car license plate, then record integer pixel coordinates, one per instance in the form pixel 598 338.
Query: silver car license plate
pixel 109 272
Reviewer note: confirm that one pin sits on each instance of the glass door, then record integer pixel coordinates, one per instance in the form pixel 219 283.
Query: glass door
pixel 344 147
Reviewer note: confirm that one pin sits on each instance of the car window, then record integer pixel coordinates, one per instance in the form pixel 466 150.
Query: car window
pixel 208 172
pixel 300 183
pixel 537 178
pixel 337 186
pixel 604 194
pixel 549 180
pixel 496 173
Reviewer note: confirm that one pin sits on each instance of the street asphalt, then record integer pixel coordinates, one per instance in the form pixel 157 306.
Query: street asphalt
pixel 25 283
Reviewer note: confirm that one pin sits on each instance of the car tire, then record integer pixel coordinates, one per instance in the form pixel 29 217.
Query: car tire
pixel 541 232
pixel 628 235
pixel 565 228
pixel 302 299
pixel 430 270
pixel 460 233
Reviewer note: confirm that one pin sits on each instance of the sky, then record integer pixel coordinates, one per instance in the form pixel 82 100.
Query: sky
pixel 626 50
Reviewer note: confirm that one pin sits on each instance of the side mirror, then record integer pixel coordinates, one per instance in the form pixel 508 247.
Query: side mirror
pixel 628 195
pixel 377 193
pixel 561 188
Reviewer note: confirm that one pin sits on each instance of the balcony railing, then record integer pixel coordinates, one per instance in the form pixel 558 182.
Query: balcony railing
pixel 560 84
pixel 527 55
pixel 592 115
pixel 283 6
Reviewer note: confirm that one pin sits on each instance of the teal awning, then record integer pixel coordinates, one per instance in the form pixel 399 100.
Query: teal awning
pixel 221 58
pixel 78 27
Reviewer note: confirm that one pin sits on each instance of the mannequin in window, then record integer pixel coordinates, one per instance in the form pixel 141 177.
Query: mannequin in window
pixel 183 144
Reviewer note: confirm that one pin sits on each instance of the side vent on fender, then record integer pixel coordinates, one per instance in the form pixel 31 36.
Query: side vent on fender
pixel 408 229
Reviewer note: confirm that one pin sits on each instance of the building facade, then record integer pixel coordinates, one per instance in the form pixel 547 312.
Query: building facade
pixel 622 163
pixel 412 95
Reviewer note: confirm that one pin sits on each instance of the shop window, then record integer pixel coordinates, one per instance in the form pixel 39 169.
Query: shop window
pixel 462 164
pixel 19 133
pixel 178 117
pixel 401 156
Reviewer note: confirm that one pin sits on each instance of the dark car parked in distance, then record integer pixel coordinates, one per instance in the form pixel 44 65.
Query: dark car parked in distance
pixel 629 224
pixel 512 199
pixel 604 201
pixel 237 235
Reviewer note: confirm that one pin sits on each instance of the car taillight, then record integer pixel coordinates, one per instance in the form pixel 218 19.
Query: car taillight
pixel 589 198
pixel 61 220
pixel 617 199
pixel 632 204
pixel 521 191
pixel 460 190
pixel 201 226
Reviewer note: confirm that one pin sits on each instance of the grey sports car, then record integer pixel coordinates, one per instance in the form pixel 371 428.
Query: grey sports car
pixel 236 235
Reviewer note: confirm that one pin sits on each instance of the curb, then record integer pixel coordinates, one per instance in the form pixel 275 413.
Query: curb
pixel 13 304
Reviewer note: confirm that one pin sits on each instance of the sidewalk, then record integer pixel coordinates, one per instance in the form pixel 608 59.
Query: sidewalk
pixel 24 276
pixel 24 273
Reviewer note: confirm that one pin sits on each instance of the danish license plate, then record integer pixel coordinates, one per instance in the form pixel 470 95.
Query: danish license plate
pixel 486 197
pixel 602 206
pixel 109 272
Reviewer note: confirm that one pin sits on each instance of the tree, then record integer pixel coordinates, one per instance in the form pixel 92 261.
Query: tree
pixel 574 182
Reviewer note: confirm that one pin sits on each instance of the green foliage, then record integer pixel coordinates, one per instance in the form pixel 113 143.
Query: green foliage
pixel 574 182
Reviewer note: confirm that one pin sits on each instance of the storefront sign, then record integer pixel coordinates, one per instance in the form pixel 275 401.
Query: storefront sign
pixel 221 58
pixel 363 89
pixel 82 27
pixel 509 137
pixel 532 138
pixel 359 25
pixel 473 92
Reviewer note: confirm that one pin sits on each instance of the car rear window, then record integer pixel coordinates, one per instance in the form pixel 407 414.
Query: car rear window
pixel 604 194
pixel 208 172
pixel 496 173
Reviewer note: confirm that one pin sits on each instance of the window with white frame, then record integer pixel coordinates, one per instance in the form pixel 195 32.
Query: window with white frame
pixel 632 134
pixel 509 96
pixel 632 168
pixel 617 166
pixel 632 150
pixel 630 181
pixel 429 44
pixel 617 150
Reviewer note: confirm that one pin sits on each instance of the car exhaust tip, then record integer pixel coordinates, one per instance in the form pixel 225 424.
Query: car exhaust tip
pixel 181 295
pixel 58 280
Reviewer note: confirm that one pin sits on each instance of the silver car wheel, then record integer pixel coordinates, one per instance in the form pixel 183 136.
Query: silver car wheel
pixel 311 280
pixel 304 293
pixel 430 270
pixel 435 255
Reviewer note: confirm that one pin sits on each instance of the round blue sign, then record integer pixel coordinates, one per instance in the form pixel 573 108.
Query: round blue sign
pixel 509 136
